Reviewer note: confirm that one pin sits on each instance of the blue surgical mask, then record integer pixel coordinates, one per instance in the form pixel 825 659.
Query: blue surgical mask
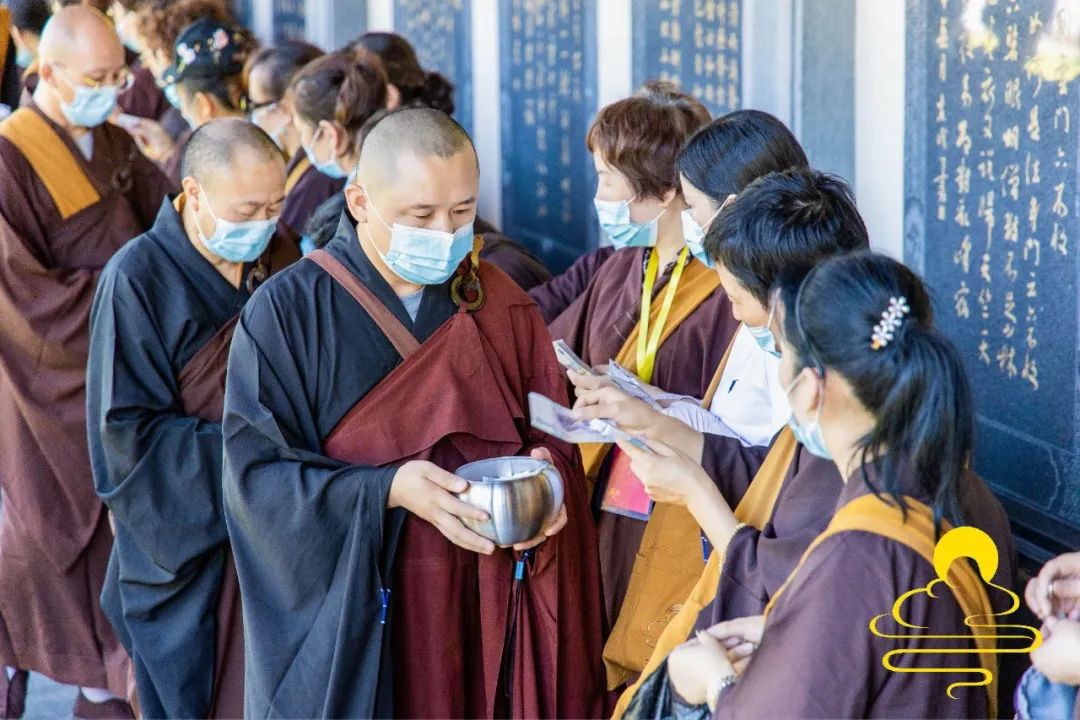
pixel 808 434
pixel 694 236
pixel 24 58
pixel 237 241
pixel 172 95
pixel 91 106
pixel 764 337
pixel 624 232
pixel 423 256
pixel 330 168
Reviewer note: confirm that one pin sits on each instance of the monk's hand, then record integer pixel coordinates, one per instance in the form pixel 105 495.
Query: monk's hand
pixel 1058 658
pixel 695 665
pixel 542 453
pixel 427 491
pixel 669 476
pixel 1056 589
pixel 610 403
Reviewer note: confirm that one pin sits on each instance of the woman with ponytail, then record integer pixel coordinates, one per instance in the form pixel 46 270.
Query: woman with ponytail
pixel 410 85
pixel 331 99
pixel 878 391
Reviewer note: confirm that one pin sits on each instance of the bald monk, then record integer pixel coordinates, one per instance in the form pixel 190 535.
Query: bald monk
pixel 73 189
pixel 358 380
pixel 160 328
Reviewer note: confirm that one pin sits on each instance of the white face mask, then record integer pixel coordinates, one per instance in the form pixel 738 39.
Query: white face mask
pixel 420 255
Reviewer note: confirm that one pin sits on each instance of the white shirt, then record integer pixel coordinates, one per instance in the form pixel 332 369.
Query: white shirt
pixel 749 403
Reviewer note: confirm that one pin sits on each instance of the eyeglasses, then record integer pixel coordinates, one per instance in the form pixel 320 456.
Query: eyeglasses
pixel 120 79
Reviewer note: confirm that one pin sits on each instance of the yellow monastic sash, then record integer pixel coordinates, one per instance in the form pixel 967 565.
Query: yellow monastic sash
pixel 68 186
pixel 297 172
pixel 5 33
pixel 868 513
pixel 697 284
pixel 755 509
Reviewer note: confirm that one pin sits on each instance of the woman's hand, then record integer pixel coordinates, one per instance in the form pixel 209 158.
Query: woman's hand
pixel 1056 589
pixel 668 475
pixel 740 637
pixel 1058 658
pixel 695 665
pixel 151 138
pixel 609 403
pixel 584 382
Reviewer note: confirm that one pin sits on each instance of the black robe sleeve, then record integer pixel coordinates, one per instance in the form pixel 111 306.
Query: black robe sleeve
pixel 150 460
pixel 159 473
pixel 307 531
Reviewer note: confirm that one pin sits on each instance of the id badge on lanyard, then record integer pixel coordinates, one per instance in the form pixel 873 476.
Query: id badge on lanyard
pixel 649 342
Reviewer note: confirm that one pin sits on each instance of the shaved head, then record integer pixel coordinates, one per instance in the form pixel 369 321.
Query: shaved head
pixel 225 148
pixel 83 39
pixel 418 132
pixel 100 5
pixel 232 171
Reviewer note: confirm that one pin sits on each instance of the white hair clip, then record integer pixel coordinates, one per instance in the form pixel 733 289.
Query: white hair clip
pixel 891 320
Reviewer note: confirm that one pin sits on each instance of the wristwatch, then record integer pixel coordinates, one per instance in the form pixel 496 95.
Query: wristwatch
pixel 717 686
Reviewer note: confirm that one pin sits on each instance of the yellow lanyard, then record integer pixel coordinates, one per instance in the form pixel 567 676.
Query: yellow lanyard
pixel 647 344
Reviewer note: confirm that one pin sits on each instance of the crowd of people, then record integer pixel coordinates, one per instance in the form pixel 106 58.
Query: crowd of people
pixel 251 324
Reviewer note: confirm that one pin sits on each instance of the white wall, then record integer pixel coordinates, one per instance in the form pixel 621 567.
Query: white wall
pixel 767 54
pixel 614 51
pixel 487 101
pixel 380 15
pixel 879 121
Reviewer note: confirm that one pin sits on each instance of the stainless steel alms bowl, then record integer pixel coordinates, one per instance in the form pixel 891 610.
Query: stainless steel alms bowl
pixel 521 496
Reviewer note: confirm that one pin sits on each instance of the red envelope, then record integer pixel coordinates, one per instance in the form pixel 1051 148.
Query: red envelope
pixel 625 494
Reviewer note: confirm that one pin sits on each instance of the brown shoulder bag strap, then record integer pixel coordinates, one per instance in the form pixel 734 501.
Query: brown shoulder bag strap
pixel 398 335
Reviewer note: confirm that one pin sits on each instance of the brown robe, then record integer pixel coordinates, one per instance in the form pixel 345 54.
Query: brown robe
pixel 144 98
pixel 560 292
pixel 513 258
pixel 55 539
pixel 306 189
pixel 757 562
pixel 597 326
pixel 818 659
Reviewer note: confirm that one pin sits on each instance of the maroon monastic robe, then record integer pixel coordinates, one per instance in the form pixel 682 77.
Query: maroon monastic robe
pixel 55 540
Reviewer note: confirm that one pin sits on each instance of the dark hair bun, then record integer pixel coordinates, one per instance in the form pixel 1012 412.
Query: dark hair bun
pixel 437 93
